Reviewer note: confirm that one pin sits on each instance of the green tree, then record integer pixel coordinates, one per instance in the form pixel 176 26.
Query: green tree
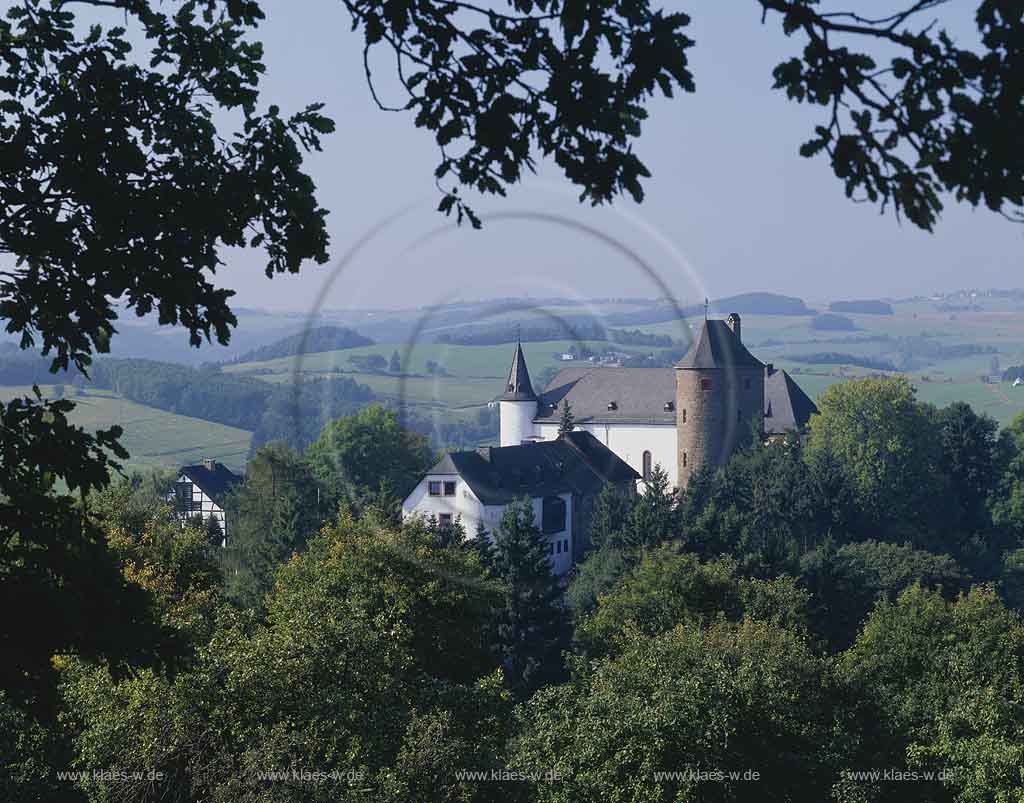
pixel 371 664
pixel 889 450
pixel 668 586
pixel 531 627
pixel 938 686
pixel 971 458
pixel 567 423
pixel 1006 503
pixel 610 516
pixel 272 515
pixel 847 582
pixel 735 697
pixel 652 517
pixel 358 454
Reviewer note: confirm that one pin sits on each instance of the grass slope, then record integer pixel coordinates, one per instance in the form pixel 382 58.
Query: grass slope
pixel 154 438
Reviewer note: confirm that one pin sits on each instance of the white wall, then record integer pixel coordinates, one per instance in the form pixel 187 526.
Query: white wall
pixel 515 421
pixel 207 507
pixel 630 441
pixel 466 506
pixel 463 506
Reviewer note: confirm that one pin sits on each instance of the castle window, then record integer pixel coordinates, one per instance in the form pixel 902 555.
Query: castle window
pixel 705 384
pixel 449 489
pixel 444 520
pixel 647 465
pixel 434 488
pixel 552 515
pixel 558 549
pixel 684 459
pixel 565 548
pixel 684 415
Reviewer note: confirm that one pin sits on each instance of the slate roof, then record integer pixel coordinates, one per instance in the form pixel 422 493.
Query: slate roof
pixel 786 406
pixel 717 347
pixel 639 394
pixel 216 483
pixel 576 462
pixel 518 386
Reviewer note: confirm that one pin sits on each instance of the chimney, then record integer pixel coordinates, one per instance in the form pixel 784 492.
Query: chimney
pixel 484 452
pixel 769 368
pixel 733 322
pixel 210 463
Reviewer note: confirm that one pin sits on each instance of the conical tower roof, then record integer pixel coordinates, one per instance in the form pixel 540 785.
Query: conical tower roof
pixel 717 347
pixel 518 386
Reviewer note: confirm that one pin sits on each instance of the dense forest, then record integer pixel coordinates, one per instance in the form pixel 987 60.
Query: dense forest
pixel 321 338
pixel 821 622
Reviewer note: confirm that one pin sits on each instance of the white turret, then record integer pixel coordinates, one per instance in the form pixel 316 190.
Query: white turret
pixel 517 406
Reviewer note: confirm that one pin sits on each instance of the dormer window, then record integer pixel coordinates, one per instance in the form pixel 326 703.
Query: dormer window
pixel 670 406
pixel 613 405
pixel 705 384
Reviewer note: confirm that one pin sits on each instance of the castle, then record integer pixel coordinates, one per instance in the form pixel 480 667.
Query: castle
pixel 626 422
pixel 680 418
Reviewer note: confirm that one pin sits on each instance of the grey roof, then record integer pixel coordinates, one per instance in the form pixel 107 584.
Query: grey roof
pixel 216 483
pixel 576 462
pixel 639 394
pixel 717 347
pixel 518 386
pixel 786 406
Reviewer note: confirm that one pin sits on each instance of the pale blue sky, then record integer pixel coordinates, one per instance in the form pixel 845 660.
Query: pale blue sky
pixel 729 193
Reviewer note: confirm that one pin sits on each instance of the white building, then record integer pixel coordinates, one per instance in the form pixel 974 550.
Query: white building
pixel 200 492
pixel 562 477
pixel 633 411
pixel 626 422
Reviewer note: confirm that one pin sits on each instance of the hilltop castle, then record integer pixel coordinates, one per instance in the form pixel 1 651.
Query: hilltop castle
pixel 681 418
pixel 627 421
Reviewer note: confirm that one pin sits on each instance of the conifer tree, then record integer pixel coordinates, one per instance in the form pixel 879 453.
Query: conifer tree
pixel 395 365
pixel 568 421
pixel 653 518
pixel 483 545
pixel 532 627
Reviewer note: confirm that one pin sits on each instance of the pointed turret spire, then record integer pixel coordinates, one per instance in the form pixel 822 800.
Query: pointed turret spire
pixel 518 386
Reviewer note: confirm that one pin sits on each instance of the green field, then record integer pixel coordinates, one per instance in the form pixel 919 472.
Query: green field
pixel 154 438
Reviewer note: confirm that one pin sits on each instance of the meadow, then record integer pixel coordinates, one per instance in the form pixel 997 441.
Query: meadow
pixel 153 438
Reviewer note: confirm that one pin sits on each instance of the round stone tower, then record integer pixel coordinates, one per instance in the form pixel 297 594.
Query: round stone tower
pixel 719 397
pixel 517 406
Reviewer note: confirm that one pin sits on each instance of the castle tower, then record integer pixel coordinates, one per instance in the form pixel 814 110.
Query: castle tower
pixel 517 406
pixel 719 397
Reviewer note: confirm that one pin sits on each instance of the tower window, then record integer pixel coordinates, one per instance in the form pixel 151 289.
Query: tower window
pixel 705 384
pixel 647 465
pixel 684 415
pixel 684 459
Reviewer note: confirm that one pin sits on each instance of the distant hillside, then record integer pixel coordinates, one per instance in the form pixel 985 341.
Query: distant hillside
pixel 864 307
pixel 830 322
pixel 755 304
pixel 323 338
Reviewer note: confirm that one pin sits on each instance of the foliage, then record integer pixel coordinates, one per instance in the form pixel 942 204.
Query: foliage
pixel 594 577
pixel 936 118
pixel 372 642
pixel 939 686
pixel 972 459
pixel 567 423
pixel 367 451
pixel 668 586
pixel 310 341
pixel 531 623
pixel 273 514
pixel 889 452
pixel 829 322
pixel 730 697
pixel 847 582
